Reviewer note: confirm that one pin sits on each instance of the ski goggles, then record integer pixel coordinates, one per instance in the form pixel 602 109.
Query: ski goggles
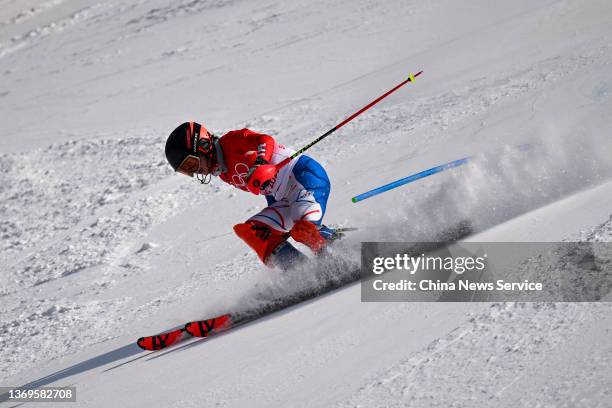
pixel 189 166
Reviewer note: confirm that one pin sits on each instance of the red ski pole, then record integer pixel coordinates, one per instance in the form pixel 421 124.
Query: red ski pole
pixel 266 172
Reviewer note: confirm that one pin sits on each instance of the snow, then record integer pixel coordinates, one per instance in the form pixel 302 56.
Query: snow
pixel 102 243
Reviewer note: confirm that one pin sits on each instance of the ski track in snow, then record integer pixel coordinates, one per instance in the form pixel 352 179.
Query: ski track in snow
pixel 480 361
pixel 57 222
pixel 23 15
pixel 31 37
pixel 47 180
pixel 499 351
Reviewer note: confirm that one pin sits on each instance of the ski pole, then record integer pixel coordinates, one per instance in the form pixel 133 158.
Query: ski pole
pixel 411 78
pixel 410 179
pixel 265 172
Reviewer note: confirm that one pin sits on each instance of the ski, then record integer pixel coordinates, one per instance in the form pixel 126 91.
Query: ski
pixel 196 328
pixel 209 327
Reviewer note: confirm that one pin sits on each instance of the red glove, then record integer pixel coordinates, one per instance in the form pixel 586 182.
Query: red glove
pixel 260 177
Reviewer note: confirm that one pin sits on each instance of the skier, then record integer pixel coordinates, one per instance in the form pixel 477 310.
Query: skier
pixel 296 194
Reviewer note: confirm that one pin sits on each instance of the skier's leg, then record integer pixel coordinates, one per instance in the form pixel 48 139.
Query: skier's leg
pixel 286 256
pixel 267 232
pixel 261 238
pixel 310 201
pixel 308 234
pixel 308 204
pixel 276 215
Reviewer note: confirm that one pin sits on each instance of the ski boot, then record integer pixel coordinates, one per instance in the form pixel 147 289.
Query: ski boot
pixel 331 234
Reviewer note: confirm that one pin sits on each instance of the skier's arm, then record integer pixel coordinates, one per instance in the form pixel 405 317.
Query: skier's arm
pixel 256 151
pixel 265 147
pixel 245 140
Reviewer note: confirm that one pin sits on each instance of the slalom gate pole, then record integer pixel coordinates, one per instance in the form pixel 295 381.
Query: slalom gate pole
pixel 425 173
pixel 411 78
pixel 410 179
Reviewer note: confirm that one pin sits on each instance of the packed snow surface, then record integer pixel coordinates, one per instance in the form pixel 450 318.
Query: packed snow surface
pixel 102 243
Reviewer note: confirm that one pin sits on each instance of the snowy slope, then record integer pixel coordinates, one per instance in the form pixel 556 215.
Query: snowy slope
pixel 102 243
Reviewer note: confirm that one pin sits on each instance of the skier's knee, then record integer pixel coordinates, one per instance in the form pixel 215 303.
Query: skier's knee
pixel 262 238
pixel 314 217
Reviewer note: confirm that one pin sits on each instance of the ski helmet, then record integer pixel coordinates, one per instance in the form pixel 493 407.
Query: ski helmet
pixel 189 138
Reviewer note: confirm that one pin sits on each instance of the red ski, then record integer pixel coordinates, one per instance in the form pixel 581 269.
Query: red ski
pixel 209 327
pixel 198 328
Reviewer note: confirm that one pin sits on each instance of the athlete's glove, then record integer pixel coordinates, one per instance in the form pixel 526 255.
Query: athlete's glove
pixel 258 162
pixel 260 177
